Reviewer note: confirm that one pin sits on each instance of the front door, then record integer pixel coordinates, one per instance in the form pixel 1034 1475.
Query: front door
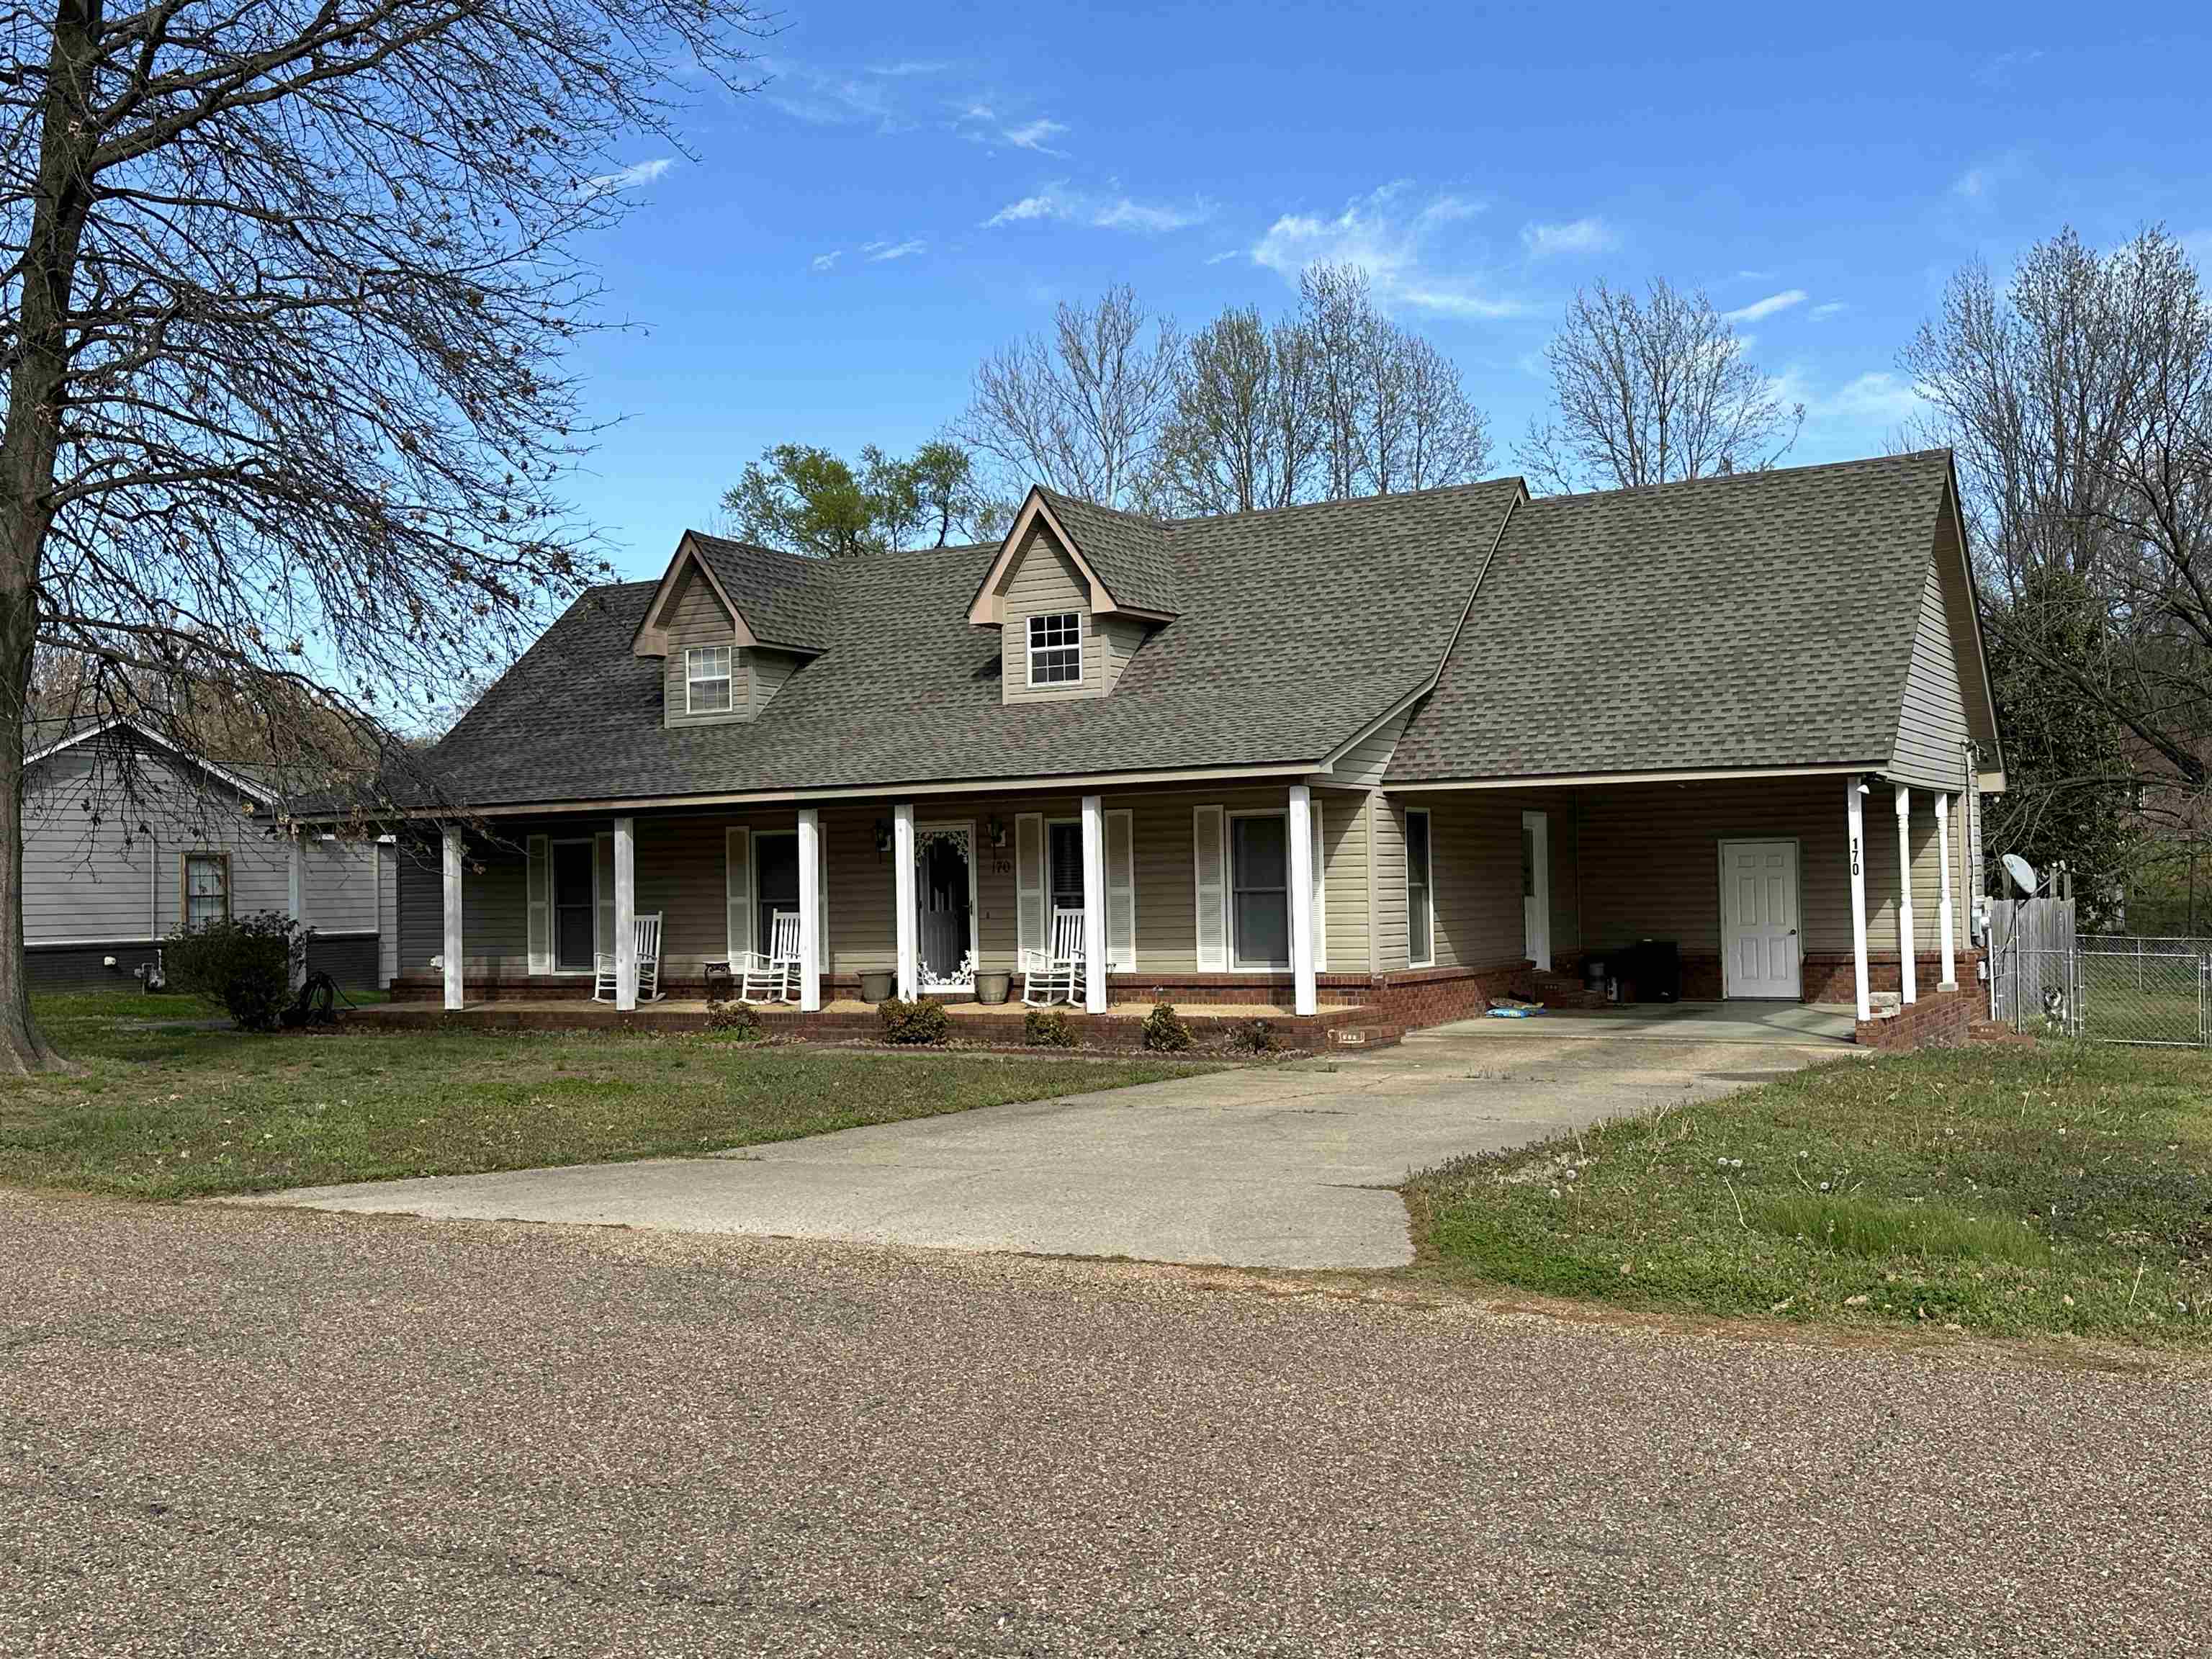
pixel 945 903
pixel 1536 889
pixel 1759 919
pixel 575 904
pixel 775 883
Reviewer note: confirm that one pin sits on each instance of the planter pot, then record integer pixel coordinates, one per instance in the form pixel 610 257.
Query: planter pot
pixel 993 988
pixel 876 985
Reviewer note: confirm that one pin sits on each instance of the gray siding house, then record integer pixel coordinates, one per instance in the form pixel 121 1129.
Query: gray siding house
pixel 1407 751
pixel 106 879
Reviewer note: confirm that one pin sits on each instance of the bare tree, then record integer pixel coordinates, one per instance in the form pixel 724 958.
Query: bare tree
pixel 1446 438
pixel 286 288
pixel 1651 393
pixel 1082 411
pixel 1338 313
pixel 1245 431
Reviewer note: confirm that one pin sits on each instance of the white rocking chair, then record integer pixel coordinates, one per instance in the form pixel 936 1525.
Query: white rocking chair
pixel 1055 975
pixel 648 964
pixel 771 975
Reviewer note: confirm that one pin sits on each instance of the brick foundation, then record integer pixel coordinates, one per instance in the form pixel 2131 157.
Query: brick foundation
pixel 1938 1020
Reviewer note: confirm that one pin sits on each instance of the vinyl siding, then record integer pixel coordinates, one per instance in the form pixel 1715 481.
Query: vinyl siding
pixel 1931 730
pixel 1363 763
pixel 1121 636
pixel 1386 820
pixel 1344 876
pixel 695 616
pixel 765 672
pixel 90 873
pixel 1044 580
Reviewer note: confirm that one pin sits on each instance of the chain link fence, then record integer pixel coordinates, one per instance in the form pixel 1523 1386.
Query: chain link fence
pixel 2108 989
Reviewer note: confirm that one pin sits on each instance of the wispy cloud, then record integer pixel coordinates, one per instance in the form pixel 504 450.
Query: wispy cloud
pixel 869 97
pixel 1061 203
pixel 826 261
pixel 1876 397
pixel 981 122
pixel 1400 243
pixel 1758 310
pixel 876 252
pixel 910 66
pixel 1035 134
pixel 629 177
pixel 1971 184
pixel 1590 236
pixel 1828 308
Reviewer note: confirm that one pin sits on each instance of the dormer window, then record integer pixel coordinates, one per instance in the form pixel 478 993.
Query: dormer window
pixel 706 680
pixel 1056 648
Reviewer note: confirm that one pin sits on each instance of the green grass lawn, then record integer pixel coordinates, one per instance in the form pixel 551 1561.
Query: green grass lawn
pixel 183 1112
pixel 2012 1190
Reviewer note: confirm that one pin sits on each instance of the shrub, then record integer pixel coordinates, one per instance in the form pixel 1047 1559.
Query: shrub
pixel 1254 1036
pixel 1164 1031
pixel 921 1021
pixel 244 963
pixel 1047 1028
pixel 735 1020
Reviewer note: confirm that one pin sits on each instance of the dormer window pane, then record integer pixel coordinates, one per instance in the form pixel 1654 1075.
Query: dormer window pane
pixel 706 680
pixel 1056 648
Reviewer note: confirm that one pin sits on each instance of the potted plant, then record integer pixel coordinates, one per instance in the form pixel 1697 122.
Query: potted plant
pixel 876 984
pixel 993 988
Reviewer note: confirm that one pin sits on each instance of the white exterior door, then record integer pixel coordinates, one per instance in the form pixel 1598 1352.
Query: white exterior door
pixel 1536 889
pixel 1759 919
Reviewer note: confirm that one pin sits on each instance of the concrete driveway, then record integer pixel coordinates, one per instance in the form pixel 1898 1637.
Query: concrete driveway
pixel 1289 1166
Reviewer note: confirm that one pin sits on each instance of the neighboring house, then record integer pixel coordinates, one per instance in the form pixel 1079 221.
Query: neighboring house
pixel 1413 750
pixel 106 879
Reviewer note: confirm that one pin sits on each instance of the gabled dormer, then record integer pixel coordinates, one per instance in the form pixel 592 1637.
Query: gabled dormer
pixel 1073 591
pixel 731 624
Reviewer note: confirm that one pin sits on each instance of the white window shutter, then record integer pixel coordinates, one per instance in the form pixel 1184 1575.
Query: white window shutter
pixel 538 888
pixel 822 897
pixel 738 889
pixel 1210 866
pixel 1320 893
pixel 603 886
pixel 1121 892
pixel 1029 881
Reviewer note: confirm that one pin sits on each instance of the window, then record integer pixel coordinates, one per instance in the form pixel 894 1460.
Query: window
pixel 1064 864
pixel 1260 891
pixel 1420 897
pixel 575 906
pixel 1056 648
pixel 706 680
pixel 207 888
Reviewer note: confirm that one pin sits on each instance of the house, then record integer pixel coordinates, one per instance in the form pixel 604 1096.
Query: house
pixel 1402 753
pixel 109 874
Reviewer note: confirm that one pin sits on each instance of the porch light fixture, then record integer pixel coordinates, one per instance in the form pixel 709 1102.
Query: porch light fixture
pixel 995 828
pixel 1864 788
pixel 883 837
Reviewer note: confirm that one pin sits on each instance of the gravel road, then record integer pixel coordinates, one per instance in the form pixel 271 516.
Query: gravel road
pixel 229 1431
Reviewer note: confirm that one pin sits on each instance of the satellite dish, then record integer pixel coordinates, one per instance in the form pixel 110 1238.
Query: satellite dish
pixel 2023 874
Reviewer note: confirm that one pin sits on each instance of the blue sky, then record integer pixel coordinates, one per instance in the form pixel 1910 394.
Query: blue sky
pixel 915 185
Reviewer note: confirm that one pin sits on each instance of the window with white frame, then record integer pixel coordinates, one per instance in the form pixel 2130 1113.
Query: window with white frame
pixel 1056 648
pixel 207 888
pixel 1420 896
pixel 706 680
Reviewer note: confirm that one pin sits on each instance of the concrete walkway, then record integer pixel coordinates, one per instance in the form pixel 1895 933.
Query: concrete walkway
pixel 1288 1166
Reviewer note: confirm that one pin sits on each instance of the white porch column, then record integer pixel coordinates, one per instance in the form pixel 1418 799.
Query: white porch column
pixel 909 969
pixel 296 901
pixel 1854 821
pixel 453 943
pixel 1094 905
pixel 1905 948
pixel 1943 910
pixel 625 916
pixel 810 909
pixel 1305 997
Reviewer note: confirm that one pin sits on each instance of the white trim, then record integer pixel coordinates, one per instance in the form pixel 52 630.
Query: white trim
pixel 1907 978
pixel 737 903
pixel 1540 951
pixel 154 737
pixel 1854 826
pixel 1094 905
pixel 903 899
pixel 1944 912
pixel 1428 888
pixel 453 933
pixel 810 910
pixel 1318 841
pixel 1219 963
pixel 1298 879
pixel 538 912
pixel 728 677
pixel 1797 895
pixel 1229 890
pixel 553 903
pixel 1563 778
pixel 1028 628
pixel 1126 964
pixel 625 916
pixel 1033 924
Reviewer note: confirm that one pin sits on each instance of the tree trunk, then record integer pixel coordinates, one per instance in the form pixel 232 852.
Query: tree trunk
pixel 28 446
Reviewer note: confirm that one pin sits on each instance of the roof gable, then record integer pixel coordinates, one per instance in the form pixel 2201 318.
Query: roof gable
pixel 786 600
pixel 1090 552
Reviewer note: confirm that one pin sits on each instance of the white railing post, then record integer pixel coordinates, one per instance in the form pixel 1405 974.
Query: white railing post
pixel 1907 976
pixel 909 972
pixel 1855 823
pixel 1943 909
pixel 1304 997
pixel 810 909
pixel 625 916
pixel 1094 905
pixel 296 905
pixel 452 957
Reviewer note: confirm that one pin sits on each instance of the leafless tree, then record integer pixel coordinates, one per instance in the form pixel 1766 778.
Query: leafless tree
pixel 1081 412
pixel 1652 393
pixel 286 288
pixel 1245 431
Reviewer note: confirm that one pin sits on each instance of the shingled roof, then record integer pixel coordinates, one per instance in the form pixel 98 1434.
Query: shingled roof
pixel 1760 620
pixel 787 600
pixel 1128 550
pixel 1293 631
